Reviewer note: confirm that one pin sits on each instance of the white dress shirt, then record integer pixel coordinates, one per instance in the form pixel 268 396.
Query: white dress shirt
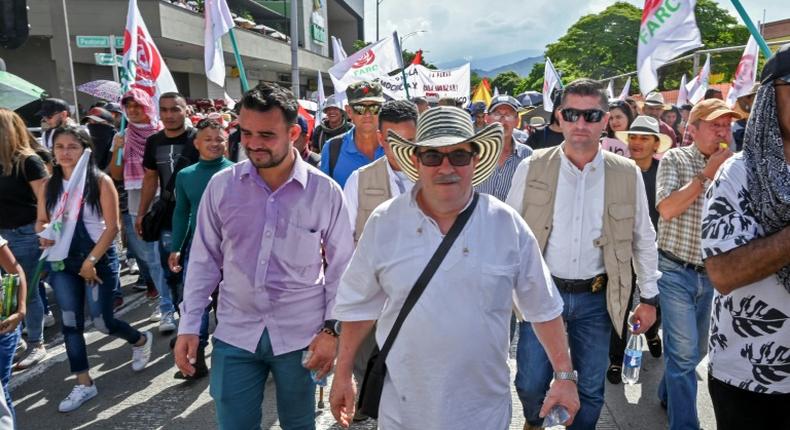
pixel 448 367
pixel 398 181
pixel 578 221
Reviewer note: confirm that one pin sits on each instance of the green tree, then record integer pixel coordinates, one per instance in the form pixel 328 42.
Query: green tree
pixel 474 80
pixel 506 82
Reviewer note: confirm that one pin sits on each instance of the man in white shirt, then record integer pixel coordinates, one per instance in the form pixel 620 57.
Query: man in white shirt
pixel 448 365
pixel 596 202
pixel 399 116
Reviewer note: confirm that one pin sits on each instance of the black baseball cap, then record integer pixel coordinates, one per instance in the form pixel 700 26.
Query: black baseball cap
pixel 100 115
pixel 52 106
pixel 114 107
pixel 778 66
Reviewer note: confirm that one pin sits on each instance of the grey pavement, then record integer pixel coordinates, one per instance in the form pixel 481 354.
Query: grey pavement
pixel 152 399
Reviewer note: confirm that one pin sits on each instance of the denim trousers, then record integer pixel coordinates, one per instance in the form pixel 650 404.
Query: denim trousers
pixel 149 261
pixel 167 281
pixel 8 344
pixel 686 297
pixel 588 325
pixel 23 243
pixel 72 292
pixel 238 378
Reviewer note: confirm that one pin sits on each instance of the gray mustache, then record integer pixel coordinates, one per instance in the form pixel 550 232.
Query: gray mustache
pixel 447 179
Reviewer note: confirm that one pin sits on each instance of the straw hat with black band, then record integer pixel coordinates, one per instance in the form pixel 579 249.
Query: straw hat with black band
pixel 647 125
pixel 447 126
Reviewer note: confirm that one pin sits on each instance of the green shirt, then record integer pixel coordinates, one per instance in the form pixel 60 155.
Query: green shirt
pixel 191 182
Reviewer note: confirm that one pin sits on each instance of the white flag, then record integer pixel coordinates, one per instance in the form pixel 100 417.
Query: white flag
pixel 683 93
pixel 496 92
pixel 338 53
pixel 66 213
pixel 610 90
pixel 551 80
pixel 668 29
pixel 626 90
pixel 745 74
pixel 143 66
pixel 697 87
pixel 218 22
pixel 320 100
pixel 367 64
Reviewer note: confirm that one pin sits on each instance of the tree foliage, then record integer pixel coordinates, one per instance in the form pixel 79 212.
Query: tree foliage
pixel 506 82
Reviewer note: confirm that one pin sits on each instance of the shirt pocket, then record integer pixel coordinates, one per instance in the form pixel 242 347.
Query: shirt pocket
pixel 496 286
pixel 299 254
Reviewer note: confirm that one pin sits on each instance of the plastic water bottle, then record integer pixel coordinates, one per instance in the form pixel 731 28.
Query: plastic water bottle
pixel 306 355
pixel 557 415
pixel 632 361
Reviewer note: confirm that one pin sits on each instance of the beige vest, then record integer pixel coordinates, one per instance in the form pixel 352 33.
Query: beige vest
pixel 373 190
pixel 618 218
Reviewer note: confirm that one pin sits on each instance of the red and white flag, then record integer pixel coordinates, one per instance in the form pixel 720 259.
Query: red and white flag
pixel 367 64
pixel 699 85
pixel 143 66
pixel 551 80
pixel 668 29
pixel 626 90
pixel 218 22
pixel 745 74
pixel 683 93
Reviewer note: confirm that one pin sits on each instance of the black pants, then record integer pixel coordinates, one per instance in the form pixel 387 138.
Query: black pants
pixel 617 343
pixel 742 409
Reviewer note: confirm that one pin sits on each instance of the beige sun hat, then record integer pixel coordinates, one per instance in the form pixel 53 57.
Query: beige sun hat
pixel 446 126
pixel 647 125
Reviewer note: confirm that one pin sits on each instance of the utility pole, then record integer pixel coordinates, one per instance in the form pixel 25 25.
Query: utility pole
pixel 60 44
pixel 295 48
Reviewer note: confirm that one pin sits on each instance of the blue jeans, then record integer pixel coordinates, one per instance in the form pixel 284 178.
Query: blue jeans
pixel 8 343
pixel 147 254
pixel 167 282
pixel 588 324
pixel 23 243
pixel 71 293
pixel 238 378
pixel 685 298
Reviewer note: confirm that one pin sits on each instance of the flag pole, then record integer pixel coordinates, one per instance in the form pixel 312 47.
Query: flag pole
pixel 402 66
pixel 752 28
pixel 242 75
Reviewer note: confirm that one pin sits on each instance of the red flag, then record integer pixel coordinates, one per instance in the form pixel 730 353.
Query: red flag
pixel 486 84
pixel 417 57
pixel 310 120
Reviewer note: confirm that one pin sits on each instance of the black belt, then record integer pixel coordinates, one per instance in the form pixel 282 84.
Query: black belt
pixel 595 284
pixel 671 257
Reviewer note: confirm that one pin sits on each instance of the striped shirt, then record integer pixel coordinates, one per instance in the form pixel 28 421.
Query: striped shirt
pixel 681 236
pixel 498 184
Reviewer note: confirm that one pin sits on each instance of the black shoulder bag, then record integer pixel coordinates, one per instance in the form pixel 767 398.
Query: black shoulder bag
pixel 376 370
pixel 159 217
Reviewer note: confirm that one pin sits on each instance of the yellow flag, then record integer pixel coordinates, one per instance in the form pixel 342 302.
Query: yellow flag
pixel 481 94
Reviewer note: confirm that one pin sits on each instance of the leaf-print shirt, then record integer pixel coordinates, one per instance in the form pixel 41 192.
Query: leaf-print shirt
pixel 749 345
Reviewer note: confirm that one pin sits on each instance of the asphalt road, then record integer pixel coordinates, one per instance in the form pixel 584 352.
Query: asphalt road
pixel 153 399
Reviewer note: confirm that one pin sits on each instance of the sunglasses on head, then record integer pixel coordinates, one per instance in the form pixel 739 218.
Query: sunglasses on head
pixel 457 158
pixel 590 115
pixel 361 109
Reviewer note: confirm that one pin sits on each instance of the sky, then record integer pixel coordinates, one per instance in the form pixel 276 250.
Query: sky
pixel 473 28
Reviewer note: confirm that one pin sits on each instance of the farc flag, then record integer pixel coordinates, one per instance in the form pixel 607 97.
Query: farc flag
pixel 683 93
pixel 745 74
pixel 218 22
pixel 551 80
pixel 367 64
pixel 626 90
pixel 668 29
pixel 696 87
pixel 143 66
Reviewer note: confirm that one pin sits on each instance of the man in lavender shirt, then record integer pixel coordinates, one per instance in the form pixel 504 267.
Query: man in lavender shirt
pixel 273 233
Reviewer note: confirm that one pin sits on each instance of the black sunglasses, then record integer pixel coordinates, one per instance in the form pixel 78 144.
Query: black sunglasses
pixel 590 115
pixel 457 158
pixel 360 109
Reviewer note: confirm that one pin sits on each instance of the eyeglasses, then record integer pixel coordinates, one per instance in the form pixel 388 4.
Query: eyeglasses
pixel 590 115
pixel 499 116
pixel 361 109
pixel 457 158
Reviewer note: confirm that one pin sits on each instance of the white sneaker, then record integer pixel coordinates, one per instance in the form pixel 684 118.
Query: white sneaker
pixel 79 395
pixel 49 320
pixel 155 316
pixel 134 269
pixel 168 323
pixel 35 355
pixel 142 354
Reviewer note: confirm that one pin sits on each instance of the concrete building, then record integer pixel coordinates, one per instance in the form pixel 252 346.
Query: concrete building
pixel 777 31
pixel 178 33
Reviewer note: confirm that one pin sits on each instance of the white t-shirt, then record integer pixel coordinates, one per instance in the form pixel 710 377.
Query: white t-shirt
pixel 749 345
pixel 448 367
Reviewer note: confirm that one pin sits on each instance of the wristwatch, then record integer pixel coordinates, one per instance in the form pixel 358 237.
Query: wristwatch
pixel 92 259
pixel 653 301
pixel 567 376
pixel 331 327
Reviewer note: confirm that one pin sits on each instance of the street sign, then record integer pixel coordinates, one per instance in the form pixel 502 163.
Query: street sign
pixel 98 42
pixel 105 59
